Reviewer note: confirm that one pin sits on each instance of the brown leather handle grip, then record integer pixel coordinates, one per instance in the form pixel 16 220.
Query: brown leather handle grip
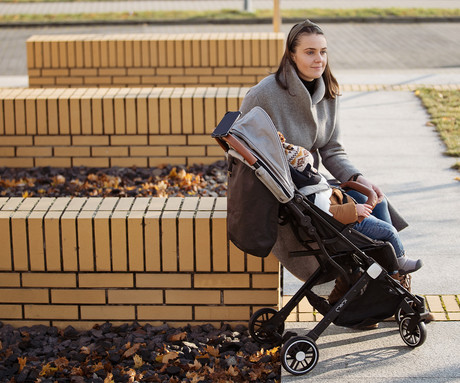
pixel 241 149
pixel 371 195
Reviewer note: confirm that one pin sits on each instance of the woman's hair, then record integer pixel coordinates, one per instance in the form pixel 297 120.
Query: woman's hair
pixel 292 41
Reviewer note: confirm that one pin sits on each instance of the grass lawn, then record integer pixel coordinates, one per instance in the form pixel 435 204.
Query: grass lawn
pixel 444 109
pixel 227 14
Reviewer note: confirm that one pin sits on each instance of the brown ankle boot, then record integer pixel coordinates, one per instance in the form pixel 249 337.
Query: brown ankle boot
pixel 341 287
pixel 339 290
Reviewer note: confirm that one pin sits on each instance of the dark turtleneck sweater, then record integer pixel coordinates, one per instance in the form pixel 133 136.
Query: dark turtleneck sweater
pixel 310 85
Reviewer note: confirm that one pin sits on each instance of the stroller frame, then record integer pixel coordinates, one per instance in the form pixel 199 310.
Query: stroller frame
pixel 299 354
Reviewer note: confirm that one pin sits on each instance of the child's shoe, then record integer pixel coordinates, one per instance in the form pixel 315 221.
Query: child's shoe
pixel 404 279
pixel 407 265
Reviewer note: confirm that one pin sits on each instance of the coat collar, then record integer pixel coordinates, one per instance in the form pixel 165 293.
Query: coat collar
pixel 296 86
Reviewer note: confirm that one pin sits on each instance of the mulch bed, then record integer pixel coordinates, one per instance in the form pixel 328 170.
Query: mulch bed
pixel 175 181
pixel 134 353
pixel 131 352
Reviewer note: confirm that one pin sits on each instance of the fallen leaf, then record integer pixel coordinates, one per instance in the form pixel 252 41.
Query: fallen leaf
pixel 61 362
pixel 138 362
pixel 85 350
pixel 22 362
pixel 131 351
pixel 194 377
pixel 197 365
pixel 108 378
pixel 47 370
pixel 170 356
pixel 98 367
pixel 232 371
pixel 212 350
pixel 178 337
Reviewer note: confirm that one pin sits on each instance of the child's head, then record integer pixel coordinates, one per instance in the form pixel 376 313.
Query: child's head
pixel 297 156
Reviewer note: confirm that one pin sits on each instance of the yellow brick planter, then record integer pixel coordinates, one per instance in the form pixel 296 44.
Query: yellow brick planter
pixel 177 60
pixel 83 261
pixel 107 127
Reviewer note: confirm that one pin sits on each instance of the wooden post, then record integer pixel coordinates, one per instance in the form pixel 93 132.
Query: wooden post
pixel 248 5
pixel 276 16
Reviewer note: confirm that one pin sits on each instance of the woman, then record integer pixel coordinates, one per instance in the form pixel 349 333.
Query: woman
pixel 302 100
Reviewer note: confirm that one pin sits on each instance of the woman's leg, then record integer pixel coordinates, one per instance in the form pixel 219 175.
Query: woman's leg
pixel 380 210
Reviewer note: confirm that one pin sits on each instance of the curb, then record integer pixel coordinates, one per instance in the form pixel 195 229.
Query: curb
pixel 395 87
pixel 198 21
pixel 343 87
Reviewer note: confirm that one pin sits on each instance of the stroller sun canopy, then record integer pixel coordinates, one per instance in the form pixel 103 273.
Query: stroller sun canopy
pixel 257 183
pixel 257 131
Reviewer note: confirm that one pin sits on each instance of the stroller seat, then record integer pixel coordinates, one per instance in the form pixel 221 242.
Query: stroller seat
pixel 266 213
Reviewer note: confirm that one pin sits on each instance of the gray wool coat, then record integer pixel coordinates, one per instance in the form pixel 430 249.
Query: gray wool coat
pixel 309 121
pixel 312 122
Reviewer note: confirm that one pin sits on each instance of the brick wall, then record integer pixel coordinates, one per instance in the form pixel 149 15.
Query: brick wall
pixel 178 60
pixel 83 261
pixel 107 127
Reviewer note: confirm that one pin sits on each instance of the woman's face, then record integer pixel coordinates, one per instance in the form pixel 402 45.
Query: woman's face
pixel 310 56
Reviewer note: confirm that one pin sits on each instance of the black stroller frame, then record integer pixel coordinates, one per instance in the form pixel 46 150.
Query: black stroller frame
pixel 299 354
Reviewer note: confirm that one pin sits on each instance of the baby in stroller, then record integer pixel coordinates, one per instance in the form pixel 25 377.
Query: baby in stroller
pixel 342 207
pixel 335 202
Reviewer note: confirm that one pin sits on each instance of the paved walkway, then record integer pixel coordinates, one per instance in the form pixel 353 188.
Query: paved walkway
pixel 360 53
pixel 387 136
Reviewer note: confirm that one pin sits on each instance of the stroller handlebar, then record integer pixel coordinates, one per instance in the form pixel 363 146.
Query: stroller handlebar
pixel 240 148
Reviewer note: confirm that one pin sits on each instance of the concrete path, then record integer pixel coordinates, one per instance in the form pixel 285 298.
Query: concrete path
pixel 381 356
pixel 387 136
pixel 360 53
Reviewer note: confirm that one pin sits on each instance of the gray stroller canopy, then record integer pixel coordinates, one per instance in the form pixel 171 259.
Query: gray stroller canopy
pixel 259 134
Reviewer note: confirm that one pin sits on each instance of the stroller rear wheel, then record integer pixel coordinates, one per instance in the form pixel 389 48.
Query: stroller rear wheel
pixel 262 334
pixel 415 336
pixel 299 355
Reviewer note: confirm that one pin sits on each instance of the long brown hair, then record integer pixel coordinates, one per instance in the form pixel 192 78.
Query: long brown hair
pixel 292 41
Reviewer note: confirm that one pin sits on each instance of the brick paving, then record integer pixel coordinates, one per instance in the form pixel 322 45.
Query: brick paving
pixel 443 308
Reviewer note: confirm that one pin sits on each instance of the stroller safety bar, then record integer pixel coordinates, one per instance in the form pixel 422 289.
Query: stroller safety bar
pixel 371 195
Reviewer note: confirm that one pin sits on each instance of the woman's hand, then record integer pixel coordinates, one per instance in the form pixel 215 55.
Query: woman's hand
pixel 363 210
pixel 369 184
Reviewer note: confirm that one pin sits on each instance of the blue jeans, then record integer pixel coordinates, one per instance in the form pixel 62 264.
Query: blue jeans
pixel 375 228
pixel 380 210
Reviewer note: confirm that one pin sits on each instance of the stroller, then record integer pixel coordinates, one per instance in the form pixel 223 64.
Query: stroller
pixel 267 213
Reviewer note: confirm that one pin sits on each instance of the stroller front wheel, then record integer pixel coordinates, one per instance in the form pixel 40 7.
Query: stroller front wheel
pixel 262 333
pixel 401 313
pixel 412 336
pixel 299 355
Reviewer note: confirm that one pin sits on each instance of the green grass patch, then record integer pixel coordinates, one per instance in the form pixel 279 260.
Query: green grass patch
pixel 227 14
pixel 443 107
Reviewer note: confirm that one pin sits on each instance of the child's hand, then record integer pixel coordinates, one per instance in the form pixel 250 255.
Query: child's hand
pixel 363 210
